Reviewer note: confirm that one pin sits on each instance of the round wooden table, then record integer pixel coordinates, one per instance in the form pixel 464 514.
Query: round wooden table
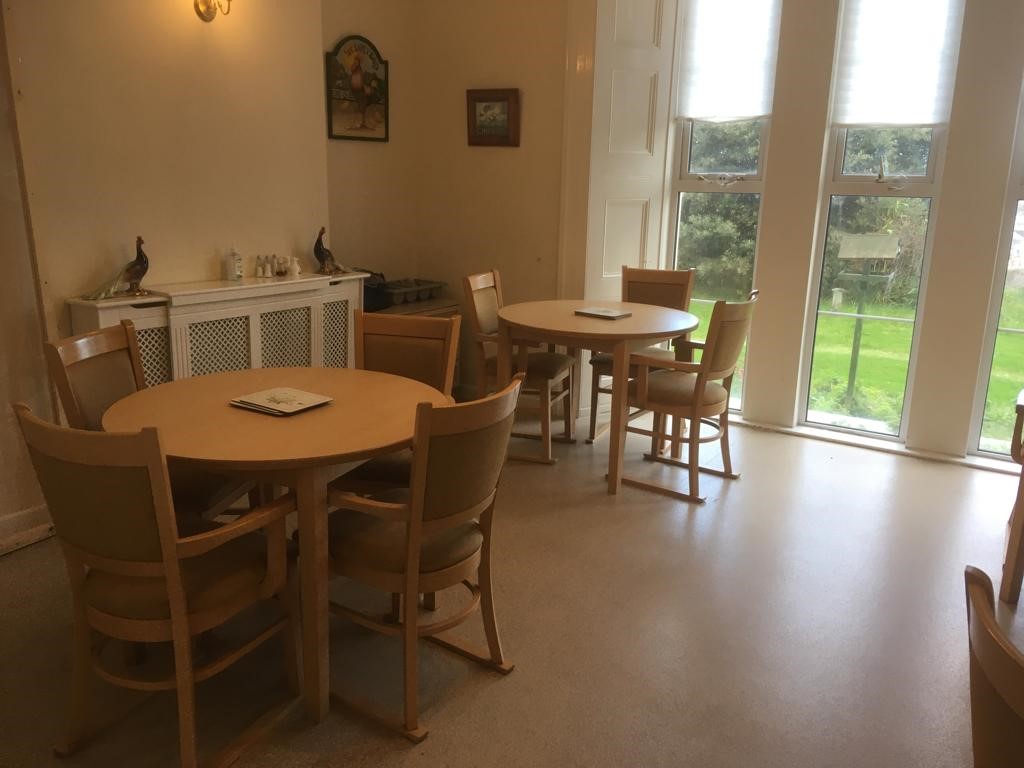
pixel 556 322
pixel 372 414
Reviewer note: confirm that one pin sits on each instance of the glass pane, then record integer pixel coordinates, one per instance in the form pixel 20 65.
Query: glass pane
pixel 866 309
pixel 725 147
pixel 1007 377
pixel 717 235
pixel 892 151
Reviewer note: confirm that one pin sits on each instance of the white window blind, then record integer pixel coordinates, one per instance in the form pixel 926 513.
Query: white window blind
pixel 897 62
pixel 727 62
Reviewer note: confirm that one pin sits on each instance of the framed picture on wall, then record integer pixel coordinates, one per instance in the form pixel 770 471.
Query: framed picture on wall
pixel 357 91
pixel 492 117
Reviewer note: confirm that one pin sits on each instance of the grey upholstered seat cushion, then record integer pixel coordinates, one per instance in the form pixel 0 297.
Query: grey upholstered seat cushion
pixel 675 388
pixel 365 541
pixel 539 365
pixel 215 578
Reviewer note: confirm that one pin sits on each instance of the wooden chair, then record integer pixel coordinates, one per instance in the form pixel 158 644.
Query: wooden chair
pixel 135 578
pixel 94 370
pixel 421 348
pixel 670 288
pixel 544 370
pixel 997 681
pixel 1013 565
pixel 432 536
pixel 694 391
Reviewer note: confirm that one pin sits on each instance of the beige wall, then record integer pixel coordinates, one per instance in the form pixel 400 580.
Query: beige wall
pixel 374 186
pixel 426 203
pixel 138 118
pixel 22 374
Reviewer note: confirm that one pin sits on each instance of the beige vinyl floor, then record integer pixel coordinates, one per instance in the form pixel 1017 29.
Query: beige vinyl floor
pixel 811 614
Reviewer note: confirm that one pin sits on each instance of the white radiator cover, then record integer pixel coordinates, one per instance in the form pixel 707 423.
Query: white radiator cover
pixel 191 329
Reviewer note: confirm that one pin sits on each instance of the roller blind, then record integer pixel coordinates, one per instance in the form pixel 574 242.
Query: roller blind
pixel 897 61
pixel 727 61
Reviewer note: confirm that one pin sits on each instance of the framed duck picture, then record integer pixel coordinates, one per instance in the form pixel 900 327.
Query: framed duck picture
pixel 493 117
pixel 356 77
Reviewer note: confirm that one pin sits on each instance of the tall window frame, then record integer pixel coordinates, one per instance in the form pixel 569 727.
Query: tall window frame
pixel 1014 199
pixel 687 181
pixel 879 184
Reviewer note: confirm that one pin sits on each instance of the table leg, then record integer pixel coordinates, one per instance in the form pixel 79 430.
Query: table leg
pixel 311 499
pixel 577 368
pixel 504 363
pixel 617 441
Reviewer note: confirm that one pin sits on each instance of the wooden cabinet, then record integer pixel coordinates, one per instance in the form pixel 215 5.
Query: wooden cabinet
pixel 190 329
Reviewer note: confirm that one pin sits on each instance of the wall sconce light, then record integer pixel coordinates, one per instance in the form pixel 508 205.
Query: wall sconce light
pixel 207 9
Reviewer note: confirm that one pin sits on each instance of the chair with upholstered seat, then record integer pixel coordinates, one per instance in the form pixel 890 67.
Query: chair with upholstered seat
pixel 94 370
pixel 434 535
pixel 544 370
pixel 695 391
pixel 997 680
pixel 671 288
pixel 420 348
pixel 135 578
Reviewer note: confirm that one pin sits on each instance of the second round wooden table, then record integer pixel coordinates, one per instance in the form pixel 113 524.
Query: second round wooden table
pixel 556 322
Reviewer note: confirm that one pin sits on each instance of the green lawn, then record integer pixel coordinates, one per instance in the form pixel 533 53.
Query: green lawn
pixel 882 368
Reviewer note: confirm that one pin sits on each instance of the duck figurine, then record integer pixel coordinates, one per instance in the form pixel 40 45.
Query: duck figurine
pixel 328 266
pixel 130 274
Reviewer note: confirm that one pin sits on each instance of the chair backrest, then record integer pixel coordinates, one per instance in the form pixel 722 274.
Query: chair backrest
pixel 727 332
pixel 671 288
pixel 458 454
pixel 483 295
pixel 93 371
pixel 107 493
pixel 416 347
pixel 997 680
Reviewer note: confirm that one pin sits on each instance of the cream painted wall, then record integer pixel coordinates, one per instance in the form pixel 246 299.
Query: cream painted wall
pixel 965 253
pixel 374 186
pixel 489 207
pixel 22 372
pixel 789 211
pixel 138 118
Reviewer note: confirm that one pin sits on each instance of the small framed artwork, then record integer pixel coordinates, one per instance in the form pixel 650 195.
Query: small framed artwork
pixel 492 117
pixel 357 91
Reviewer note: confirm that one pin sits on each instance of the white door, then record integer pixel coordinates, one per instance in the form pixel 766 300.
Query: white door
pixel 632 87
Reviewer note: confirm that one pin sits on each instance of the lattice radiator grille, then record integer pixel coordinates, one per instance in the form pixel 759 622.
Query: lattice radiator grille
pixel 336 334
pixel 285 338
pixel 155 351
pixel 219 345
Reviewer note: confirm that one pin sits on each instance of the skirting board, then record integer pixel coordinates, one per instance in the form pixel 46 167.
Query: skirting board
pixel 24 527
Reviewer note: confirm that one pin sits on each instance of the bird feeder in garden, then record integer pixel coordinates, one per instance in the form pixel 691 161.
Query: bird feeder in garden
pixel 868 261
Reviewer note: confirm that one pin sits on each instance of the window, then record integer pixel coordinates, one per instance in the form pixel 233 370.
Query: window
pixel 722 129
pixel 887 140
pixel 1003 378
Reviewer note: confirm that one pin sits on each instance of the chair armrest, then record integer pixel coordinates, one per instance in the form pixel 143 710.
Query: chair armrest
pixel 670 365
pixel 385 510
pixel 1015 441
pixel 261 517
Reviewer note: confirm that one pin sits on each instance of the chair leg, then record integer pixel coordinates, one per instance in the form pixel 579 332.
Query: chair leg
pixel 677 437
pixel 657 430
pixel 81 686
pixel 595 382
pixel 292 636
pixel 186 691
pixel 723 422
pixel 410 635
pixel 568 409
pixel 487 609
pixel 545 420
pixel 694 457
pixel 396 607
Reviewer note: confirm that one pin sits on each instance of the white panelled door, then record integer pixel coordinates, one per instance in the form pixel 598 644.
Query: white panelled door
pixel 632 86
